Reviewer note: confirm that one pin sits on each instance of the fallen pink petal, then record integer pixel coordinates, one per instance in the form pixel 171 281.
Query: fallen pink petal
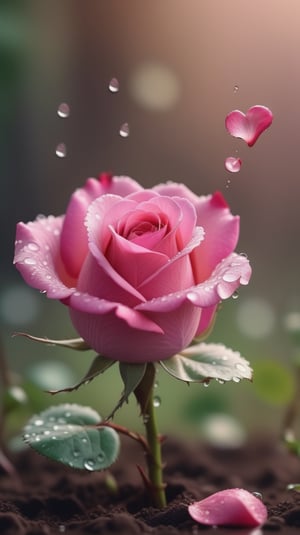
pixel 232 164
pixel 249 126
pixel 232 507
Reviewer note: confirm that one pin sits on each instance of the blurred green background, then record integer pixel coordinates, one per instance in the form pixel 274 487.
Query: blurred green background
pixel 181 67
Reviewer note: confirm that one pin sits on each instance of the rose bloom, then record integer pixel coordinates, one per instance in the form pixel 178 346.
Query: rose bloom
pixel 142 271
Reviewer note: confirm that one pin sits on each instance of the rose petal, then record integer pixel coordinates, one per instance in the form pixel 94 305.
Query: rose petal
pixel 173 189
pixel 111 335
pixel 250 126
pixel 232 507
pixel 208 293
pixel 221 234
pixel 37 257
pixel 87 303
pixel 74 242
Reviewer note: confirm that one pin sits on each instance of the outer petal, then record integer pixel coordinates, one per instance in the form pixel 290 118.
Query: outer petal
pixel 74 244
pixel 224 281
pixel 173 189
pixel 112 336
pixel 221 234
pixel 38 260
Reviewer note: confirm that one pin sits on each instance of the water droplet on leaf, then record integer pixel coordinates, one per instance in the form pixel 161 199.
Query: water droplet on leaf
pixel 89 465
pixel 113 85
pixel 63 110
pixel 232 164
pixel 61 150
pixel 124 130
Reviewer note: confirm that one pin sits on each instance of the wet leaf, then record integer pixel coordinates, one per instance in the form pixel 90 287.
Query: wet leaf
pixel 72 343
pixel 202 362
pixel 70 434
pixel 99 365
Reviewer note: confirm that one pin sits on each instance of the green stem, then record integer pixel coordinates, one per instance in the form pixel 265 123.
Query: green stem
pixel 145 394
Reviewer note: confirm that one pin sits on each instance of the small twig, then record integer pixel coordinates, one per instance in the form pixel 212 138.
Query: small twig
pixel 131 434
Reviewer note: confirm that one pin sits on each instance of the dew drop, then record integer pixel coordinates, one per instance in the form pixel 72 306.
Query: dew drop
pixel 220 381
pixel 124 130
pixel 258 495
pixel 206 383
pixel 113 85
pixel 61 150
pixel 63 110
pixel 235 295
pixel 156 384
pixel 39 422
pixel 30 261
pixel 236 379
pixel 76 453
pixel 230 277
pixel 89 465
pixel 100 457
pixel 235 88
pixel 32 246
pixel 84 440
pixel 232 164
pixel 156 401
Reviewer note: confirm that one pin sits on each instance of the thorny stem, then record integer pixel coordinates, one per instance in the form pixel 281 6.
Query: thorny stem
pixel 124 431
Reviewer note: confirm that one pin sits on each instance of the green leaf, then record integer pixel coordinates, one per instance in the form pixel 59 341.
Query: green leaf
pixel 202 362
pixel 131 375
pixel 70 434
pixel 99 365
pixel 73 343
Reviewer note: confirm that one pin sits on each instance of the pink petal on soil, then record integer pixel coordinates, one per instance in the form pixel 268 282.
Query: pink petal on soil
pixel 232 507
pixel 249 126
pixel 232 164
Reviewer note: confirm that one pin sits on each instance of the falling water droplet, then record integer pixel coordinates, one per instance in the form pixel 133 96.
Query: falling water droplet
pixel 61 150
pixel 232 164
pixel 156 401
pixel 206 383
pixel 63 110
pixel 113 85
pixel 124 130
pixel 235 88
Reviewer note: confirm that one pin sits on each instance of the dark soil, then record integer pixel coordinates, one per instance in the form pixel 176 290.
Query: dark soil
pixel 49 498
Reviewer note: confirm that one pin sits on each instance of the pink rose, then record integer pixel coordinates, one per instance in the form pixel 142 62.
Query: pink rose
pixel 141 270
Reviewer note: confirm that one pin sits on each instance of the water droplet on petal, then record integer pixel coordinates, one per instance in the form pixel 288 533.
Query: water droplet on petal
pixel 124 130
pixel 113 85
pixel 63 110
pixel 232 164
pixel 156 401
pixel 61 150
pixel 230 277
pixel 32 246
pixel 30 261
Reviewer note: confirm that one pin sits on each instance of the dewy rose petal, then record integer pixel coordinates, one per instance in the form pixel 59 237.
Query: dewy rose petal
pixel 141 271
pixel 232 507
pixel 249 126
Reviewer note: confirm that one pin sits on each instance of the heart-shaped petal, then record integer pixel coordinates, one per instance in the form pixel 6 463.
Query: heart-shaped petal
pixel 232 507
pixel 249 126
